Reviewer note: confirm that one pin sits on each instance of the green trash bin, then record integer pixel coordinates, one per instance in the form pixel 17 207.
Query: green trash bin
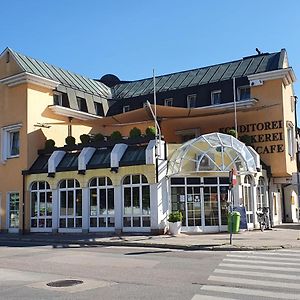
pixel 234 219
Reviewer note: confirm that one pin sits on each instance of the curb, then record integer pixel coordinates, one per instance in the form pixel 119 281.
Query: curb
pixel 217 247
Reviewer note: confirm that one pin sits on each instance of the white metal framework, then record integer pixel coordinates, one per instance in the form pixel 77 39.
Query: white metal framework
pixel 213 152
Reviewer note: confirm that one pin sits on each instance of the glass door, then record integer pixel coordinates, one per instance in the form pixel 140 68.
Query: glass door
pixel 211 206
pixel 194 206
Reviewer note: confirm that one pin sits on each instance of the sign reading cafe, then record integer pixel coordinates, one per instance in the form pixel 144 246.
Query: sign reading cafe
pixel 265 137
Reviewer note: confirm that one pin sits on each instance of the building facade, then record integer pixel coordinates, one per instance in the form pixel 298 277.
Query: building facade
pixel 131 185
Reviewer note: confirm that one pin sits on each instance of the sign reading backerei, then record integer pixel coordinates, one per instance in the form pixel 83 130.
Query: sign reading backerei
pixel 270 132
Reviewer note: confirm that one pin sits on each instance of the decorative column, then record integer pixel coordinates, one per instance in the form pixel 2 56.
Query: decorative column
pixel 118 208
pixel 55 210
pixel 85 209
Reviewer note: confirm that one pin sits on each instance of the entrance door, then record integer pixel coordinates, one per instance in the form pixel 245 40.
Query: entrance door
pixel 194 206
pixel 211 208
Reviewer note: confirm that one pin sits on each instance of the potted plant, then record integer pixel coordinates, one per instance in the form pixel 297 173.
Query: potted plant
pixel 70 140
pixel 49 144
pixel 150 131
pixel 135 133
pixel 174 220
pixel 232 132
pixel 116 135
pixel 98 137
pixel 85 139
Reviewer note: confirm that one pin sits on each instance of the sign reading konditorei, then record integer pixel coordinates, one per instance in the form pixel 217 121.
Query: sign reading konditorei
pixel 258 135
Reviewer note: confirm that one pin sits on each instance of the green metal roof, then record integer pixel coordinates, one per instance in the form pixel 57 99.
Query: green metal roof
pixel 240 68
pixel 66 78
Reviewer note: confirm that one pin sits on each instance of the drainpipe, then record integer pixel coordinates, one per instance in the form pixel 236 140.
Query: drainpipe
pixel 23 204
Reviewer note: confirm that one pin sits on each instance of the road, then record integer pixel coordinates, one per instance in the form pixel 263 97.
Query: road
pixel 144 273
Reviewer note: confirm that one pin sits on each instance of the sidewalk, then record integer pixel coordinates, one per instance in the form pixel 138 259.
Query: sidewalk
pixel 283 236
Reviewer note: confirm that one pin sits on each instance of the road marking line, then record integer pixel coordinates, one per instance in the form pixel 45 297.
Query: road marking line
pixel 248 281
pixel 260 267
pixel 250 292
pixel 257 274
pixel 248 261
pixel 206 297
pixel 264 257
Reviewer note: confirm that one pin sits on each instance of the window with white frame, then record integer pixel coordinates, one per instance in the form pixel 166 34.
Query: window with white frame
pixel 261 194
pixel 81 102
pixel 244 93
pixel 41 205
pixel 102 213
pixel 291 139
pixel 57 99
pixel 70 204
pixel 126 108
pixel 169 102
pixel 191 101
pixel 10 139
pixel 216 97
pixel 136 205
pixel 13 210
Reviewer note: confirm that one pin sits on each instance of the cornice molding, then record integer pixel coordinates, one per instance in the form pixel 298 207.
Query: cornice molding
pixel 29 78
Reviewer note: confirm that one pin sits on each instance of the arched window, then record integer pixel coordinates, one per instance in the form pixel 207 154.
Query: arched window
pixel 136 205
pixel 247 198
pixel 261 194
pixel 41 205
pixel 102 213
pixel 70 204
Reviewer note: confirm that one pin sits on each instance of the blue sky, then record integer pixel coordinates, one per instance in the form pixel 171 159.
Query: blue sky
pixel 130 38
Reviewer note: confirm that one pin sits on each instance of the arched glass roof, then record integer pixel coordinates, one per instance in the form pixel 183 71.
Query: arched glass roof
pixel 213 152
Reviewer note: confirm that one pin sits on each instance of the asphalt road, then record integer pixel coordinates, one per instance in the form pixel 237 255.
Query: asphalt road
pixel 144 273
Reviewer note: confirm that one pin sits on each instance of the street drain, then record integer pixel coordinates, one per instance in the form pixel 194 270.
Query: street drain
pixel 64 283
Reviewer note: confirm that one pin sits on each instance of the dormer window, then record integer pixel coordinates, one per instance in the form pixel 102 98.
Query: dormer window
pixel 244 93
pixel 191 101
pixel 82 104
pixel 169 102
pixel 216 97
pixel 126 108
pixel 99 109
pixel 57 99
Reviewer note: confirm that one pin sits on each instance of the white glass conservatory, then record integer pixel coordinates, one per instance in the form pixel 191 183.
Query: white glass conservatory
pixel 199 177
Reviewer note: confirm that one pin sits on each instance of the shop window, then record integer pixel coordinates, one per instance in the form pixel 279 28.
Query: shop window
pixel 70 204
pixel 244 93
pixel 13 210
pixel 41 205
pixel 82 104
pixel 136 201
pixel 191 101
pixel 168 102
pixel 261 194
pixel 10 139
pixel 102 214
pixel 216 97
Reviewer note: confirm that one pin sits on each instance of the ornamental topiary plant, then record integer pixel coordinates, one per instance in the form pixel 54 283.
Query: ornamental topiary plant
pixel 98 137
pixel 49 144
pixel 85 139
pixel 232 132
pixel 116 135
pixel 70 140
pixel 175 216
pixel 135 132
pixel 150 131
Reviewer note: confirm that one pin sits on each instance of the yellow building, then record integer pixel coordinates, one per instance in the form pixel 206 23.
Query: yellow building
pixel 132 185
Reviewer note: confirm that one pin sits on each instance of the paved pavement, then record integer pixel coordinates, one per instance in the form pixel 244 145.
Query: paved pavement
pixel 283 236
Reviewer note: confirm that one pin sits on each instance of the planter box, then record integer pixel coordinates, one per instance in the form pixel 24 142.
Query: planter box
pixel 175 228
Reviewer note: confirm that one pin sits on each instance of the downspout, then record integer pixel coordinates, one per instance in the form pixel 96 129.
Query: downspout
pixel 297 158
pixel 23 204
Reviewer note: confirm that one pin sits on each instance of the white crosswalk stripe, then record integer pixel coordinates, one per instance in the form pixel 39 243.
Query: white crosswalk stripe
pixel 253 275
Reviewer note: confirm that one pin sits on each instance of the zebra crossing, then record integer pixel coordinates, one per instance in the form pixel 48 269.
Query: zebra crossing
pixel 254 275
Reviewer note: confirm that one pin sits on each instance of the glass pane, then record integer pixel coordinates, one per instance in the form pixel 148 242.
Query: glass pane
pixel 49 204
pixel 42 223
pixel 101 181
pixel 63 184
pixel 136 221
pixel 42 204
pixel 102 202
pixel 146 221
pixel 93 222
pixel 62 223
pixel 47 185
pixel 127 201
pixel 14 143
pixel 224 204
pixel 34 186
pixel 63 203
pixel 108 181
pixel 93 202
pixel 144 179
pixel 48 223
pixel 111 222
pixel 70 209
pixel 70 183
pixel 78 222
pixel 70 222
pixel 34 204
pixel 42 185
pixel 136 200
pixel 136 179
pixel 93 182
pixel 78 203
pixel 110 208
pixel 211 207
pixel 127 222
pixel 102 222
pixel 126 180
pixel 34 223
pixel 146 200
